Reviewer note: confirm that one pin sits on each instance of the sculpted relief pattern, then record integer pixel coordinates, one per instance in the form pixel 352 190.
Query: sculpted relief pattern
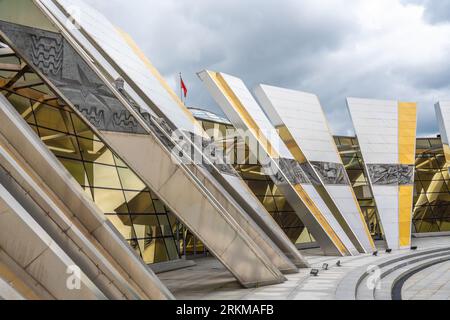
pixel 391 174
pixel 331 173
pixel 50 53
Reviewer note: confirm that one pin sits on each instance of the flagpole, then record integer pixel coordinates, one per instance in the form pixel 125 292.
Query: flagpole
pixel 181 89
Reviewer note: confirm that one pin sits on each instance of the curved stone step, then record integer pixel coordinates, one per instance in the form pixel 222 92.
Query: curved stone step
pixel 390 276
pixel 349 288
pixel 397 284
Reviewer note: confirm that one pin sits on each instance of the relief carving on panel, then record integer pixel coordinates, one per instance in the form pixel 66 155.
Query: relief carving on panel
pixel 66 70
pixel 391 174
pixel 275 173
pixel 293 171
pixel 310 173
pixel 331 173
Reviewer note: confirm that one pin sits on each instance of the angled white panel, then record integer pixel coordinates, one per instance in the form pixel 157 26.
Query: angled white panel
pixel 253 108
pixel 386 198
pixel 302 114
pixel 312 192
pixel 107 36
pixel 376 126
pixel 380 136
pixel 442 109
pixel 117 54
pixel 22 239
pixel 240 240
pixel 246 115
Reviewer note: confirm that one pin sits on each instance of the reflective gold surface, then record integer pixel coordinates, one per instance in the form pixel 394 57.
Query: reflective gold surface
pixel 407 123
pixel 131 207
pixel 405 194
pixel 352 159
pixel 432 188
pixel 290 143
pixel 273 153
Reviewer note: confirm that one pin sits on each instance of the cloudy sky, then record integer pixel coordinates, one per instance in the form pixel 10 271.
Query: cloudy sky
pixel 385 49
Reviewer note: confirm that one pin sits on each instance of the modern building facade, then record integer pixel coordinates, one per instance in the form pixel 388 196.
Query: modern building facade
pixel 431 192
pixel 301 124
pixel 297 182
pixel 386 132
pixel 107 178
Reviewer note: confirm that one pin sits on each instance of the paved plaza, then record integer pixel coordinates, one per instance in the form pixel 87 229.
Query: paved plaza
pixel 210 280
pixel 432 283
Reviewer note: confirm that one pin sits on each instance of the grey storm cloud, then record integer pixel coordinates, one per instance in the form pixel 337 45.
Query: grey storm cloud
pixel 435 11
pixel 386 49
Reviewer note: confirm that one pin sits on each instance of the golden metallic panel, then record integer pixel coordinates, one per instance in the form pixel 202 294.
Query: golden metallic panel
pixel 250 123
pixel 352 191
pixel 291 144
pixel 319 217
pixel 405 199
pixel 158 76
pixel 407 123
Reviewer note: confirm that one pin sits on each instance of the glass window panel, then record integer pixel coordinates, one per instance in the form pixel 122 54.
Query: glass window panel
pixel 77 170
pixel 428 175
pixel 110 201
pixel 119 162
pixel 444 224
pixel 282 204
pixel 172 248
pixel 146 226
pixel 21 104
pixel 123 224
pixel 159 206
pixel 139 202
pixel 166 228
pixel 436 142
pixel 102 176
pixel 61 144
pixel 129 180
pixel 434 198
pixel 269 203
pixel 95 151
pixel 81 128
pixel 154 251
pixel 53 118
pixel 423 144
pixel 423 213
pixel 135 245
pixel 259 188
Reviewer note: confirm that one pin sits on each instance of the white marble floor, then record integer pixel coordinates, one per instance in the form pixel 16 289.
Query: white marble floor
pixel 432 283
pixel 210 280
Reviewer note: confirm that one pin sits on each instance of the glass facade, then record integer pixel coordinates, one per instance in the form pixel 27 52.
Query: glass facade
pixel 431 201
pixel 144 220
pixel 354 165
pixel 431 195
pixel 261 184
pixel 432 188
pixel 126 201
